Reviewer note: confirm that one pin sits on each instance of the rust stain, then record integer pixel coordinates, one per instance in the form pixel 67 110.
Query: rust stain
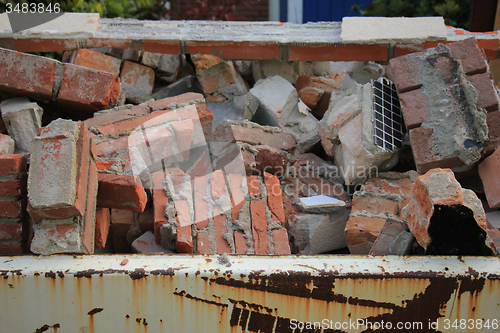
pixel 94 311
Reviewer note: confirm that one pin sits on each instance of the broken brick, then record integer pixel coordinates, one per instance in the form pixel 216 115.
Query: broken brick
pixel 274 198
pixel 489 171
pixel 102 223
pixel 184 241
pixel 470 56
pixel 487 96
pixel 280 240
pixel 95 60
pixel 121 192
pixel 259 227
pixel 137 81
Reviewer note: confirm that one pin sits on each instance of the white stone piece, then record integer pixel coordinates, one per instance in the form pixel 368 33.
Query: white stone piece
pixel 392 30
pixel 22 119
pixel 7 144
pixel 320 204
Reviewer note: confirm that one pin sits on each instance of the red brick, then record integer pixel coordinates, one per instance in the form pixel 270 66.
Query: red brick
pixel 104 165
pixel 469 54
pixel 425 154
pixel 121 222
pixel 486 94
pixel 160 200
pixel 493 142
pixel 361 232
pixel 184 241
pixel 337 52
pixel 238 198
pixel 154 144
pixel 11 249
pixel 374 206
pixel 281 244
pixel 271 161
pixel 116 116
pixel 13 187
pixel 306 81
pixel 202 165
pixel 82 175
pixel 220 224
pixel 184 136
pixel 218 183
pixel 11 164
pixel 146 219
pixel 26 74
pixel 177 176
pixel 235 50
pixel 259 227
pixel 200 204
pixel 111 148
pixel 489 171
pixel 204 245
pixel 414 107
pixel 95 60
pixel 274 198
pixel 149 120
pixel 203 114
pixel 88 232
pixel 253 183
pixel 121 192
pixel 87 88
pixel 311 96
pixel 257 136
pixel 162 104
pixel 13 209
pixel 406 71
pixel 240 242
pixel 102 223
pixel 215 80
pixel 11 231
pixel 137 81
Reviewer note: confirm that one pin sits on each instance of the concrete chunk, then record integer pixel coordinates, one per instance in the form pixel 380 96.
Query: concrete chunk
pixel 22 119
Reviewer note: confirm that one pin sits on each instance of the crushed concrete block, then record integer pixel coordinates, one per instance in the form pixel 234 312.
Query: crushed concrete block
pixel 447 101
pixel 355 131
pixel 181 86
pixel 289 70
pixel 51 238
pixel 494 218
pixel 394 238
pixel 7 144
pixel 150 59
pixel 145 244
pixel 131 55
pixel 22 119
pixel 317 233
pixel 280 107
pixel 137 81
pixel 168 66
pixel 95 60
pixel 237 109
pixel 319 204
pixel 489 170
pixel 222 82
pixel 445 218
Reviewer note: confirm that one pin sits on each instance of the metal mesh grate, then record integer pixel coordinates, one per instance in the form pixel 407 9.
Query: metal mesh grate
pixel 389 126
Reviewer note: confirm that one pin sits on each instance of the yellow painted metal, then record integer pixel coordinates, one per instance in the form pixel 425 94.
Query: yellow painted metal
pixel 267 294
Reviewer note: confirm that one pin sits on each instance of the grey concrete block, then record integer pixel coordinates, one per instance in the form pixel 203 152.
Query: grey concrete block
pixel 22 119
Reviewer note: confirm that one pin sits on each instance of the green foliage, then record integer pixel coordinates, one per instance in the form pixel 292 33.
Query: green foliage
pixel 139 9
pixel 455 12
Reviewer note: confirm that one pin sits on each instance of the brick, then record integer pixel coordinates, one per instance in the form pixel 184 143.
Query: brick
pixel 137 81
pixel 205 61
pixel 253 183
pixel 116 116
pixel 311 96
pixel 204 245
pixel 469 54
pixel 160 200
pixel 121 222
pixel 121 192
pixel 162 104
pixel 414 107
pixel 271 161
pixel 87 88
pixel 11 164
pixel 281 244
pixel 237 192
pixel 221 79
pixel 220 225
pixel 325 84
pixel 145 219
pixel 489 170
pixel 425 154
pixel 102 223
pixel 486 93
pixel 11 249
pixel 26 74
pixel 104 165
pixel 145 244
pixel 240 242
pixel 406 73
pixel 58 238
pixel 274 198
pixel 95 60
pixel 154 145
pixel 493 142
pixel 259 227
pixel 13 209
pixel 149 120
pixel 112 148
pixel 257 136
pixel 203 114
pixel 393 239
pixel 89 219
pixel 200 204
pixel 374 206
pixel 11 231
pixel 184 136
pixel 184 241
pixel 13 187
pixel 218 184
pixel 361 232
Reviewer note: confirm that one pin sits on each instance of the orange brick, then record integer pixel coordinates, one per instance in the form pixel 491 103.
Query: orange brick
pixel 160 199
pixel 259 227
pixel 204 245
pixel 13 209
pixel 218 182
pixel 137 81
pixel 253 183
pixel 184 241
pixel 13 187
pixel 240 242
pixel 102 223
pixel 220 223
pixel 149 120
pixel 281 244
pixel 237 193
pixel 95 60
pixel 161 104
pixel 121 192
pixel 116 116
pixel 489 170
pixel 274 197
pixel 200 204
pixel 184 136
pixel 11 164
